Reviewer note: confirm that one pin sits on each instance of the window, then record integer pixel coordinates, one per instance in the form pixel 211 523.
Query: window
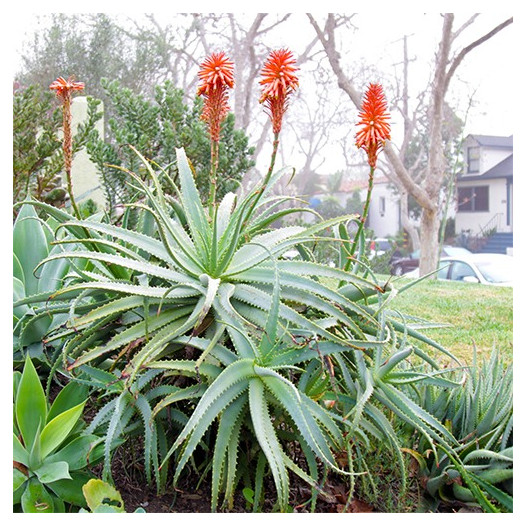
pixel 382 206
pixel 461 270
pixel 473 199
pixel 473 159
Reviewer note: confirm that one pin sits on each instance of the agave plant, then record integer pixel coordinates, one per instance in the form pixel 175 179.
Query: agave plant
pixel 50 450
pixel 32 244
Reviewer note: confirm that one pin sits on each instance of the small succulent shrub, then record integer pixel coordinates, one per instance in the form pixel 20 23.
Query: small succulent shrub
pixel 224 354
pixel 479 413
pixel 50 452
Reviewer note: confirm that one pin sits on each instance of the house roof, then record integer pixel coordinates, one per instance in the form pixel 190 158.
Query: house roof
pixel 499 171
pixel 349 186
pixel 494 141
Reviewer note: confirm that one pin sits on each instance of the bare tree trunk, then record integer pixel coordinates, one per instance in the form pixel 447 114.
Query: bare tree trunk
pixel 430 224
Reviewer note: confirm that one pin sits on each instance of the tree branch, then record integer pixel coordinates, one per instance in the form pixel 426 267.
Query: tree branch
pixel 460 57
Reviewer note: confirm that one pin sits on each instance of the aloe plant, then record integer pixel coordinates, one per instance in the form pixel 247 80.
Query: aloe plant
pixel 50 453
pixel 205 286
pixel 479 413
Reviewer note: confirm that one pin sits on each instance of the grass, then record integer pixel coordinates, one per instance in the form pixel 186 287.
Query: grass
pixel 479 315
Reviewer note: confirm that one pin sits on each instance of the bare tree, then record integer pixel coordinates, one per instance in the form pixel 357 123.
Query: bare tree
pixel 427 193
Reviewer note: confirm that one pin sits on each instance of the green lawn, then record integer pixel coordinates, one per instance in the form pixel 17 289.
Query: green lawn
pixel 477 314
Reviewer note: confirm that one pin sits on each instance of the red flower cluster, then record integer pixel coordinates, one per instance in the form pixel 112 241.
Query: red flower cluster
pixel 64 87
pixel 278 81
pixel 374 122
pixel 216 75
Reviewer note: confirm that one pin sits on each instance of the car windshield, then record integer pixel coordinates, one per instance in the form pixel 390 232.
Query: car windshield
pixel 496 272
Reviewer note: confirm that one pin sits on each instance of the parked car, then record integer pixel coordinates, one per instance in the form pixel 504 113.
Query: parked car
pixel 488 269
pixel 400 266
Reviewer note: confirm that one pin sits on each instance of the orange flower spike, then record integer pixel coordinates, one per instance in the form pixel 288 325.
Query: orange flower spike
pixel 65 87
pixel 278 81
pixel 278 76
pixel 217 72
pixel 374 122
pixel 216 75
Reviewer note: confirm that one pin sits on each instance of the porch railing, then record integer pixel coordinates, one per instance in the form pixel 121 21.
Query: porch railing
pixel 492 224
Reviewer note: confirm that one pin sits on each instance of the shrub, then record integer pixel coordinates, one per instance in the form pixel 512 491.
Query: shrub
pixel 50 452
pixel 157 128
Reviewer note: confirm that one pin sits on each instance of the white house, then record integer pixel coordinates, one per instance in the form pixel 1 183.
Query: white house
pixel 384 210
pixel 485 187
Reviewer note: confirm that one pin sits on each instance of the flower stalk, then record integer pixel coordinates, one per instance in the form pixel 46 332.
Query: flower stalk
pixel 374 131
pixel 279 81
pixel 217 76
pixel 64 90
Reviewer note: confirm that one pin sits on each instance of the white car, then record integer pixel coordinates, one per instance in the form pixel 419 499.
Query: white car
pixel 488 269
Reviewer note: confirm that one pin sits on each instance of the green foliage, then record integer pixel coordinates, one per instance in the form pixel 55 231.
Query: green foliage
pixel 479 414
pixel 37 154
pixel 156 128
pixel 31 245
pixel 50 451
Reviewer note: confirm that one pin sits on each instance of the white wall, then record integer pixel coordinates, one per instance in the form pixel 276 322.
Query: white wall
pixel 387 224
pixel 85 175
pixel 491 158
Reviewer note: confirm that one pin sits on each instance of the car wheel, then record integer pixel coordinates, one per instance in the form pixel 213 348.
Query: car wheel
pixel 397 271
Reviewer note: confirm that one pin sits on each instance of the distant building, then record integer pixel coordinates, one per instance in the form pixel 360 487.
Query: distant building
pixel 485 187
pixel 384 210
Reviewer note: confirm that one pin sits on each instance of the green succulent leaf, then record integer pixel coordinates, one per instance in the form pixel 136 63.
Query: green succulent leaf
pixel 30 404
pixel 20 453
pixel 77 453
pixel 69 396
pixel 18 479
pixel 267 439
pixel 52 471
pixel 58 429
pixel 29 245
pixel 70 490
pixel 97 493
pixel 36 498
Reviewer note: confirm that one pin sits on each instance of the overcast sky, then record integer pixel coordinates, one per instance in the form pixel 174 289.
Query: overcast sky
pixel 487 72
